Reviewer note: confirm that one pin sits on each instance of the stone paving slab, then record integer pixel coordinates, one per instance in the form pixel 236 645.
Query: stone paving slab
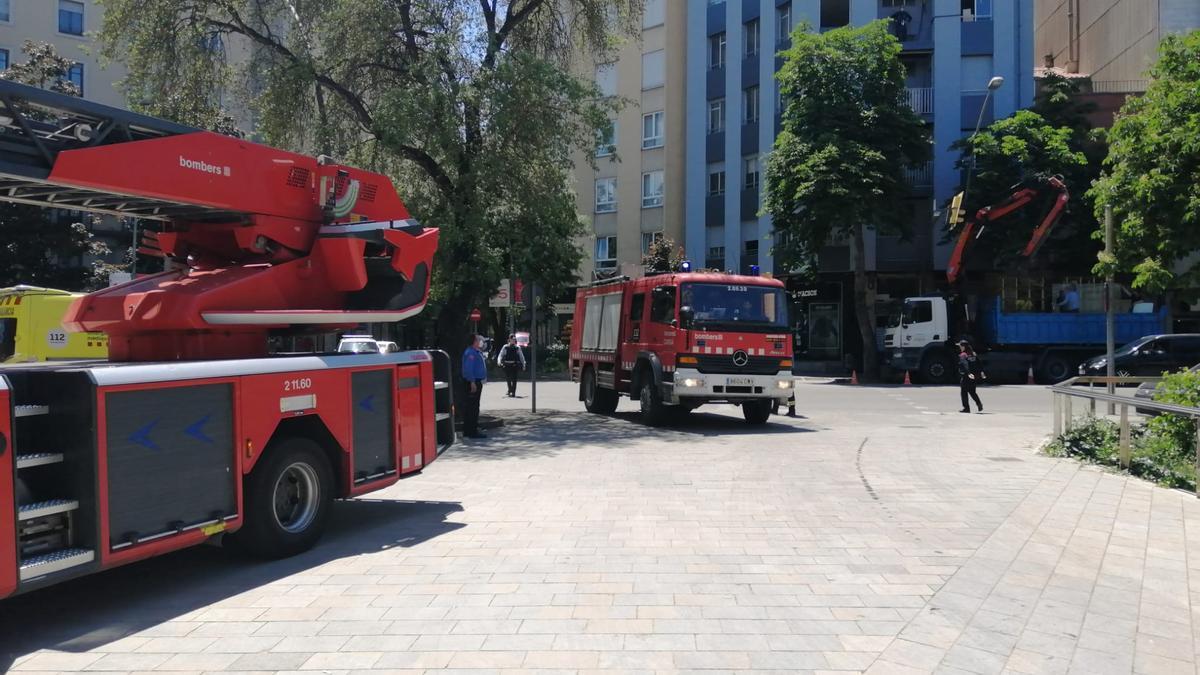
pixel 875 535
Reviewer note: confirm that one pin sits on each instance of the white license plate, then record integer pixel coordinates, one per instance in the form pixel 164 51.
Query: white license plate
pixel 739 381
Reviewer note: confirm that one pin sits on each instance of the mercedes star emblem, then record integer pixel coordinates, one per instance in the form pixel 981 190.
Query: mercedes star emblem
pixel 740 358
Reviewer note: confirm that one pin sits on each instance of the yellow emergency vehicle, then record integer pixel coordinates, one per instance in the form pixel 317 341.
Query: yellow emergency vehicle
pixel 31 327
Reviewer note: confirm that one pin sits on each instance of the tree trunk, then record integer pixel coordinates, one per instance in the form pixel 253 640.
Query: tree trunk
pixel 864 305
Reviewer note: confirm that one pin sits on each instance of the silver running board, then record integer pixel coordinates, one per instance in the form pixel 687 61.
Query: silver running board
pixel 38 459
pixel 49 507
pixel 55 561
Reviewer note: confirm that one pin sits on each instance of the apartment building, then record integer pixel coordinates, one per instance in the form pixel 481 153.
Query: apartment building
pixel 1108 44
pixel 634 194
pixel 951 49
pixel 1113 41
pixel 65 24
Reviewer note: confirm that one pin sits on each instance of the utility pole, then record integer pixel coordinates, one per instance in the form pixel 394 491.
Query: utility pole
pixel 533 331
pixel 512 300
pixel 1109 301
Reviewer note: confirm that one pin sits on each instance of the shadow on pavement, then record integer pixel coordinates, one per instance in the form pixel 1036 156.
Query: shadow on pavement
pixel 86 613
pixel 545 434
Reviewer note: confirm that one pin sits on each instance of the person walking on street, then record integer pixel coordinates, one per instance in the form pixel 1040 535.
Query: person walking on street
pixel 512 359
pixel 970 372
pixel 474 374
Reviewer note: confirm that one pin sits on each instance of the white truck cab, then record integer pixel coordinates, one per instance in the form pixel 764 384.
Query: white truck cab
pixel 919 342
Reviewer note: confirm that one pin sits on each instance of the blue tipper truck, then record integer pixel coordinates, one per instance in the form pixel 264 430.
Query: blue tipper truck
pixel 1009 343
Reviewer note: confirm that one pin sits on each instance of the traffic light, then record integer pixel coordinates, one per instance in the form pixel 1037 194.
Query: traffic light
pixel 956 215
pixel 528 294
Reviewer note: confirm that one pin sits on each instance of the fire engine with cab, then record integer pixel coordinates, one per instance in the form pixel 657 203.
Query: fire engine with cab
pixel 192 429
pixel 673 342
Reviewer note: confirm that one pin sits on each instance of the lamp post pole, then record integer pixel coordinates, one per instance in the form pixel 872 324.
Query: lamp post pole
pixel 993 84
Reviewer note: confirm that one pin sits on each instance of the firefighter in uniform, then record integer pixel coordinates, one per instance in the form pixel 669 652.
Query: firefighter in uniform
pixel 513 361
pixel 474 372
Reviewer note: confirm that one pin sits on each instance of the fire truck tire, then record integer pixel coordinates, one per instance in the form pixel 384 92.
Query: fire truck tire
pixel 757 412
pixel 288 496
pixel 654 413
pixel 596 399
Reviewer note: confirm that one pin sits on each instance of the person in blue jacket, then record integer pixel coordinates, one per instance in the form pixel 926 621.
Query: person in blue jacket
pixel 474 374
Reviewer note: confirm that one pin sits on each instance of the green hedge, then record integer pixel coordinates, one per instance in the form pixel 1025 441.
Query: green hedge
pixel 1163 449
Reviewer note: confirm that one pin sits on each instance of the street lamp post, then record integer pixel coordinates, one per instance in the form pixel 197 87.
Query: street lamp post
pixel 993 84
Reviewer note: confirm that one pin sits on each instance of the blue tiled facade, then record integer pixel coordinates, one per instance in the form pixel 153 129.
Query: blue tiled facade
pixel 950 56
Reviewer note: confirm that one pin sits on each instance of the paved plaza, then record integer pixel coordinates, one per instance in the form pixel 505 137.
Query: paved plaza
pixel 880 532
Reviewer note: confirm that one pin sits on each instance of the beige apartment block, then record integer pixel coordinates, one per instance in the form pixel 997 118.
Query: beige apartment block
pixel 66 24
pixel 1113 41
pixel 635 192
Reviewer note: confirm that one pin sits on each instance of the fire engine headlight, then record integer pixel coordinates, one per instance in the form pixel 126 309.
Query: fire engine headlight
pixel 784 384
pixel 692 382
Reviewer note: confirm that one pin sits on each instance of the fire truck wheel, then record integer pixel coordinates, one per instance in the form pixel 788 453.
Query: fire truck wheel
pixel 595 399
pixel 288 497
pixel 757 412
pixel 654 413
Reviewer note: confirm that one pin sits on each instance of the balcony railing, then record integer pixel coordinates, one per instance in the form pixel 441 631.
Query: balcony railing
pixel 919 176
pixel 920 99
pixel 1119 86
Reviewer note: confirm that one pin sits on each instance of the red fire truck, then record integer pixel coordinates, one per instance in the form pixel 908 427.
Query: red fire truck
pixel 673 342
pixel 192 430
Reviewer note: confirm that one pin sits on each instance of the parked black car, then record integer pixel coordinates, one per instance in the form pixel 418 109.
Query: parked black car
pixel 1149 356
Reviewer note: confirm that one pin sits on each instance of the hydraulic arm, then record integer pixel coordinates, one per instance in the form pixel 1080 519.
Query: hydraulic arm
pixel 255 238
pixel 1019 199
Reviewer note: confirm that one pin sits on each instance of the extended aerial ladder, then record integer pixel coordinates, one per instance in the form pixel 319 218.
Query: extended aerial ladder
pixel 257 238
pixel 1022 196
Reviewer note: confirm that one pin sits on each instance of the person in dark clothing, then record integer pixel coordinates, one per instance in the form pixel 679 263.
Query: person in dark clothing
pixel 474 374
pixel 512 359
pixel 970 372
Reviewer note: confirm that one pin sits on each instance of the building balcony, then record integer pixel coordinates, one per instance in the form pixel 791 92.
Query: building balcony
pixel 920 99
pixel 919 177
pixel 1119 86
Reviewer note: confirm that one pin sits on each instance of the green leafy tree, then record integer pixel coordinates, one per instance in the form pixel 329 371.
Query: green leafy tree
pixel 38 246
pixel 837 168
pixel 1022 149
pixel 470 105
pixel 1152 175
pixel 664 256
pixel 1054 137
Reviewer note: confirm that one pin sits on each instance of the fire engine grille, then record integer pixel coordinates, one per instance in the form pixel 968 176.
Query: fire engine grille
pixel 723 364
pixel 299 177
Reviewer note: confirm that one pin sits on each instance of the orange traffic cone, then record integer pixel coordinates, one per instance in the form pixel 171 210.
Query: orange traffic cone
pixel 907 378
pixel 1029 380
pixel 853 377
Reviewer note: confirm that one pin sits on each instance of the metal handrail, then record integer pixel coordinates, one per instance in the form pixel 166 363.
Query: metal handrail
pixel 1067 388
pixel 1064 391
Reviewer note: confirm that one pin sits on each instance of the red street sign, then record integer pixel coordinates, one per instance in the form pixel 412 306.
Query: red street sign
pixel 475 315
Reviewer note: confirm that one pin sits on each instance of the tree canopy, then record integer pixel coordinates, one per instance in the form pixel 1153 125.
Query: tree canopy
pixel 470 105
pixel 837 167
pixel 1021 150
pixel 1053 138
pixel 1152 175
